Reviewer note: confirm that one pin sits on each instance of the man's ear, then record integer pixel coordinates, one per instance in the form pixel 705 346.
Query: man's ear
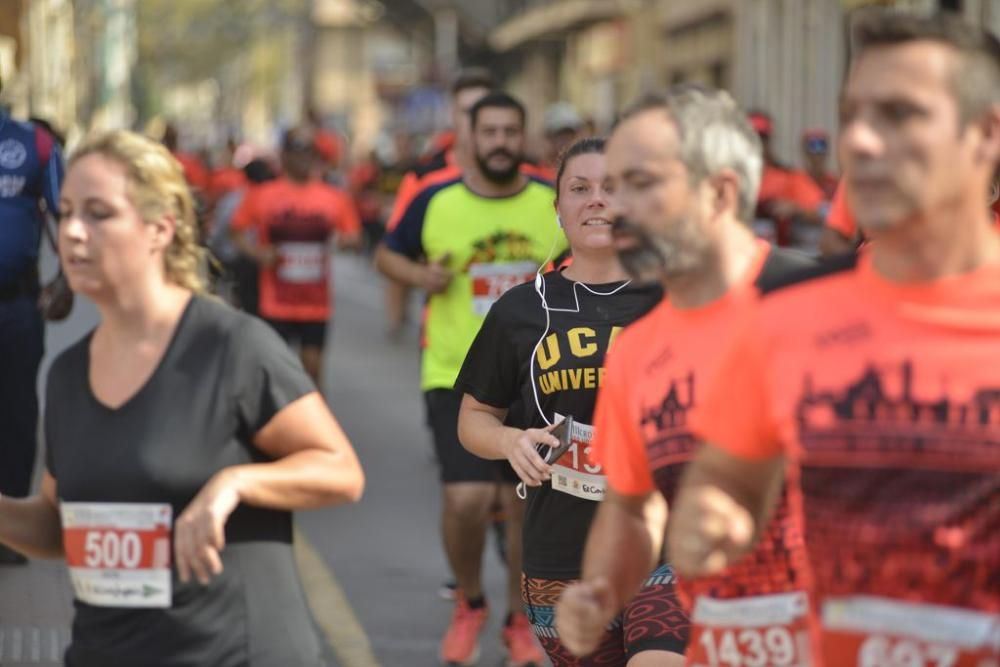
pixel 725 186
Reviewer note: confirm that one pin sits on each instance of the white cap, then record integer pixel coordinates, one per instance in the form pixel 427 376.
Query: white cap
pixel 562 116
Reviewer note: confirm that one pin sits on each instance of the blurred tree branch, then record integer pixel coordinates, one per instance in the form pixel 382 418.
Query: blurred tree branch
pixel 188 40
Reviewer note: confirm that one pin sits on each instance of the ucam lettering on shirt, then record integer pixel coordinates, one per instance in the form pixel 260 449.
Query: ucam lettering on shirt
pixel 578 343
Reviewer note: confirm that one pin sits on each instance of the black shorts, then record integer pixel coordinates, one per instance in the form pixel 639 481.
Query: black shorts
pixel 457 463
pixel 306 334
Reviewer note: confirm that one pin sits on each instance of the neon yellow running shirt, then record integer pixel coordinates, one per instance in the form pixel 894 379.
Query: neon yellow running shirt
pixel 490 244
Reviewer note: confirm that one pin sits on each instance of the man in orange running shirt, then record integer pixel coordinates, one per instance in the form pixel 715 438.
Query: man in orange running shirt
pixel 685 169
pixel 288 226
pixel 874 386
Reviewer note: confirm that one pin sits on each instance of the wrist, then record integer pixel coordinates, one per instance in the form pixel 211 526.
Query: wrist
pixel 508 440
pixel 417 274
pixel 230 483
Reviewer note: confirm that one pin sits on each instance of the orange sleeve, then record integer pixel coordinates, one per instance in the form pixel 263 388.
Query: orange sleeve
pixel 245 216
pixel 840 217
pixel 736 414
pixel 803 192
pixel 618 444
pixel 346 218
pixel 408 189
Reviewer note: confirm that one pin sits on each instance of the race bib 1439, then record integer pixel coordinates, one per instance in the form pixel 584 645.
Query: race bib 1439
pixel 758 631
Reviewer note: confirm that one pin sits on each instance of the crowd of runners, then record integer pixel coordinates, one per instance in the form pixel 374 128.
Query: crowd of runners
pixel 701 446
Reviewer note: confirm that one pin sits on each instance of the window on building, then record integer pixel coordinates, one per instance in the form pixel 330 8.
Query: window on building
pixel 719 73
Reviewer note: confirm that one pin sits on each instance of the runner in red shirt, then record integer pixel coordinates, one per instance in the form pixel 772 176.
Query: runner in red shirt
pixel 787 196
pixel 227 177
pixel 288 225
pixel 689 230
pixel 195 172
pixel 876 385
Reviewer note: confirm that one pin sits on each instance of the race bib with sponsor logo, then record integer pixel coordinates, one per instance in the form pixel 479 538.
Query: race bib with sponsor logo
pixel 576 472
pixel 871 631
pixel 491 281
pixel 301 262
pixel 758 631
pixel 118 553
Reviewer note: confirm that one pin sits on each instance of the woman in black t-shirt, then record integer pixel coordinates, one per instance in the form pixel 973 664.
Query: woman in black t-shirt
pixel 180 434
pixel 538 358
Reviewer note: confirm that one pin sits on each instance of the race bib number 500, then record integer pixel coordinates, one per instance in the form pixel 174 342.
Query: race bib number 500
pixel 759 631
pixel 118 553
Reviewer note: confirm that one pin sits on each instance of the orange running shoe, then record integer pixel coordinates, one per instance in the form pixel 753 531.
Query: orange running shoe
pixel 522 650
pixel 460 645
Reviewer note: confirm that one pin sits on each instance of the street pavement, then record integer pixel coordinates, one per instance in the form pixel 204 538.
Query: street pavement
pixel 371 570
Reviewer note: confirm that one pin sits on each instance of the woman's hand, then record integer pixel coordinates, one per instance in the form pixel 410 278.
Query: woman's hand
pixel 200 530
pixel 520 450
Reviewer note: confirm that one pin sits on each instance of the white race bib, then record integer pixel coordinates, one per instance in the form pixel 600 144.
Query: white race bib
pixel 490 281
pixel 118 553
pixel 300 263
pixel 576 472
pixel 757 631
pixel 870 631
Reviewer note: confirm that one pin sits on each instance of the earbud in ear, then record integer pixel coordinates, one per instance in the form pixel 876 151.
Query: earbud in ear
pixel 559 220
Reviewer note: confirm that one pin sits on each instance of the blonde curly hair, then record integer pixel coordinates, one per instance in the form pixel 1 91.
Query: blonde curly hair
pixel 157 188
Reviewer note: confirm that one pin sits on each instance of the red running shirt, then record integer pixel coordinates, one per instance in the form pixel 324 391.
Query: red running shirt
pixel 887 397
pixel 299 222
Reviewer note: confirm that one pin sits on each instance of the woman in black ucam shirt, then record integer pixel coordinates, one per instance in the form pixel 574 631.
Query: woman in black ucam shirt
pixel 180 435
pixel 541 352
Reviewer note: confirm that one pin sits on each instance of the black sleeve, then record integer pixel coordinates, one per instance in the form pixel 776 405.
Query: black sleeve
pixel 49 420
pixel 490 371
pixel 268 375
pixel 67 370
pixel 407 237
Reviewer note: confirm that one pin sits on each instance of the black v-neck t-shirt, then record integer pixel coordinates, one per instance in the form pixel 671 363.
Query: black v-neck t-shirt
pixel 223 376
pixel 504 370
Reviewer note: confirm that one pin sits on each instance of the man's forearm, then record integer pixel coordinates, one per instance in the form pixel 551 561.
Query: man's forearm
pixel 482 434
pixel 396 266
pixel 618 550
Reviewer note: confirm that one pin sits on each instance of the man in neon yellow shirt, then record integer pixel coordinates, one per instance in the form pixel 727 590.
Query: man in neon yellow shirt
pixel 466 241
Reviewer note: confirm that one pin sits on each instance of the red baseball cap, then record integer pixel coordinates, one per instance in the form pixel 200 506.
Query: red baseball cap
pixel 761 122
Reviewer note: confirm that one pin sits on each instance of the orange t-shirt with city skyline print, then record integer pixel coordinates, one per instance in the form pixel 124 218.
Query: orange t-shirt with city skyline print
pixel 298 220
pixel 656 375
pixel 886 398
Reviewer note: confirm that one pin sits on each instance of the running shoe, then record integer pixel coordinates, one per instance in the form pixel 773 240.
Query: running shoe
pixel 522 650
pixel 447 591
pixel 460 645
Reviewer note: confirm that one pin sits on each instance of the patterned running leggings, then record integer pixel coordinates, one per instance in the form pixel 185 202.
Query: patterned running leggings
pixel 653 621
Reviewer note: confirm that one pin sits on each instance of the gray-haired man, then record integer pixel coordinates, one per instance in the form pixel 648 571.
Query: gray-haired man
pixel 686 168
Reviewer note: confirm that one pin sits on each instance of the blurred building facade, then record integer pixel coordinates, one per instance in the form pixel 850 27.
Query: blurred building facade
pixel 37 51
pixel 786 57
